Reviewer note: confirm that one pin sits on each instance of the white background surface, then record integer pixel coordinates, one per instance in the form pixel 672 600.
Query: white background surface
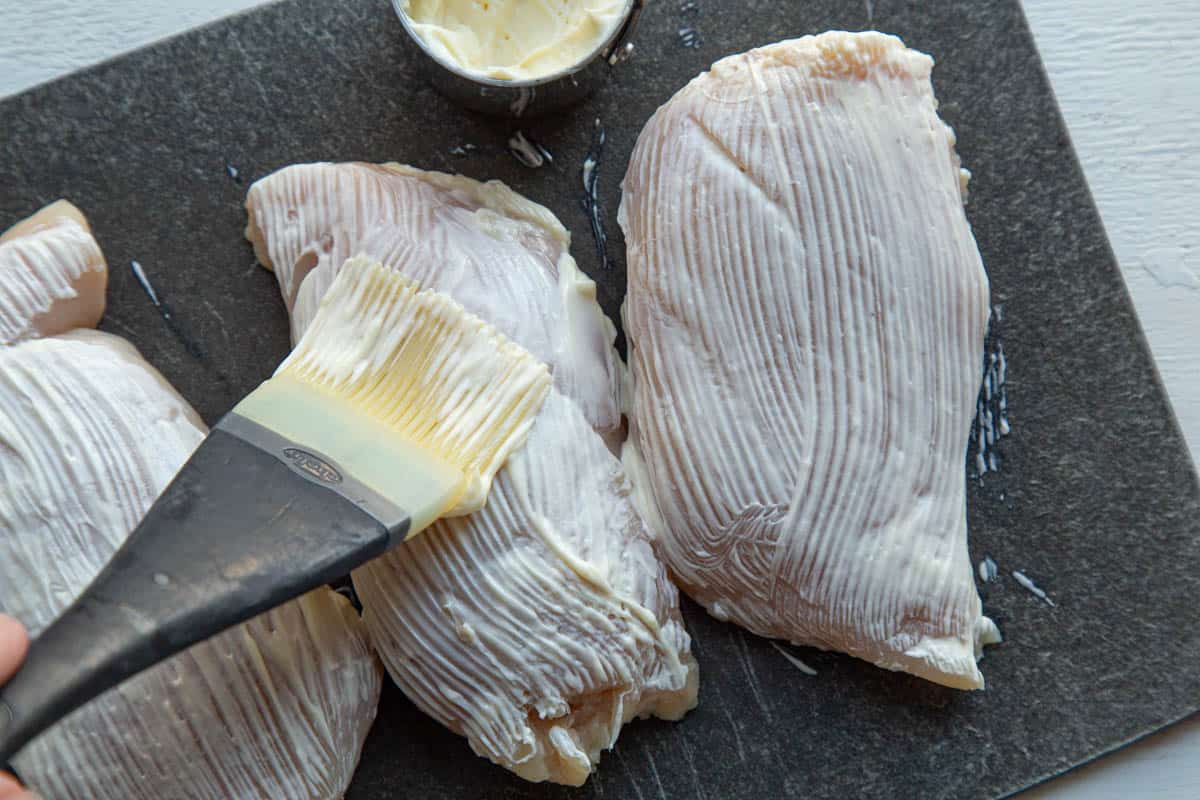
pixel 1129 85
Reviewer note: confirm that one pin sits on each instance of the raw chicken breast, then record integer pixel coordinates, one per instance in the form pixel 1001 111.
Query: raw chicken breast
pixel 276 708
pixel 806 312
pixel 539 625
pixel 52 275
pixel 501 256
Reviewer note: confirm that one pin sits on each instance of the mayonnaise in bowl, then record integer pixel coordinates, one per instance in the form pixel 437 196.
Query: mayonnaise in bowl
pixel 514 40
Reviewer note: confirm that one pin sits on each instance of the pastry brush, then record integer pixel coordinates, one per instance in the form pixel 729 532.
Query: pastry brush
pixel 397 407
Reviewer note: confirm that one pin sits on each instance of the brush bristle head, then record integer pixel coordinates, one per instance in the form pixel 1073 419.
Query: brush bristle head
pixel 419 364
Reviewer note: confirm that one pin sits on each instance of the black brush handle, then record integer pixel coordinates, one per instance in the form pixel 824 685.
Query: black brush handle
pixel 241 529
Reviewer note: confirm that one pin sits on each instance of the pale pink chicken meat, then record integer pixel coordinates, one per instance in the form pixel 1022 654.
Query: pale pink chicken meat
pixel 806 311
pixel 52 275
pixel 538 626
pixel 501 256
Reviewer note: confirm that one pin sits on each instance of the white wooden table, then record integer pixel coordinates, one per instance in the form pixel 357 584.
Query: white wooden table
pixel 1129 85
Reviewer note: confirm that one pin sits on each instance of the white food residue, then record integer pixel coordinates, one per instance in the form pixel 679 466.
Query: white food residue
pixel 591 193
pixel 689 37
pixel 988 571
pixel 991 409
pixel 528 152
pixel 147 287
pixel 1031 587
pixel 795 662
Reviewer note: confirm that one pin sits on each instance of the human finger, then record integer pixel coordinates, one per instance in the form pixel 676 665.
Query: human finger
pixel 14 642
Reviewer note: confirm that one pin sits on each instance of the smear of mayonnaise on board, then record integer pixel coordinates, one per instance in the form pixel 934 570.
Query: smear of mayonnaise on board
pixel 514 39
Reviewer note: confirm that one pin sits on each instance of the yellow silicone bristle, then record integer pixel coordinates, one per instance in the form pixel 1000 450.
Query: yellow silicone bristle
pixel 419 364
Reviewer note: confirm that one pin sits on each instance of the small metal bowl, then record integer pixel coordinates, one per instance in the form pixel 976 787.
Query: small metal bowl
pixel 532 97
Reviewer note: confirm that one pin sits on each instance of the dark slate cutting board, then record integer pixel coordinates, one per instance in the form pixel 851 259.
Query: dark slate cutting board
pixel 1096 498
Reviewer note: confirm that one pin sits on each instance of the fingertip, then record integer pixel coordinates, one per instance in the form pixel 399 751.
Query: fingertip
pixel 14 643
pixel 10 789
pixel 11 626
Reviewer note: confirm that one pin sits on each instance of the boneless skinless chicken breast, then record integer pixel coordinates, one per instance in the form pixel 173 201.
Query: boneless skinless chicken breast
pixel 502 257
pixel 89 435
pixel 53 275
pixel 539 625
pixel 806 312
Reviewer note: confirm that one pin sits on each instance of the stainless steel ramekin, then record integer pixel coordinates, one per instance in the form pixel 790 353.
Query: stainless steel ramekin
pixel 532 97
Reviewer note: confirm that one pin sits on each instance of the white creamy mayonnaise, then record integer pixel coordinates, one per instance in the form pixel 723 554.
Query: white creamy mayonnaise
pixel 513 39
